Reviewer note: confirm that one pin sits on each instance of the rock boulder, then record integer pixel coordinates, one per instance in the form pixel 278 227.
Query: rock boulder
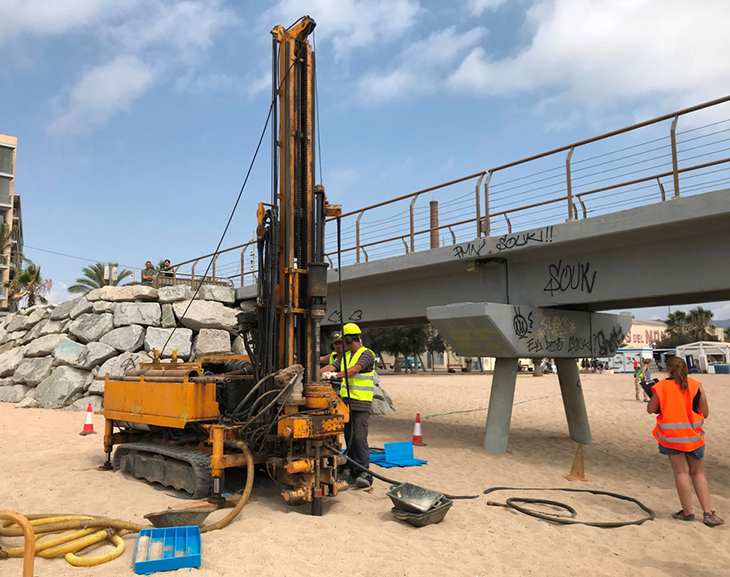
pixel 82 404
pixel 10 361
pixel 56 390
pixel 32 371
pixel 171 294
pixel 222 294
pixel 146 314
pixel 118 366
pixel 13 393
pixel 212 342
pixel 63 310
pixel 181 340
pixel 90 327
pixel 125 293
pixel 129 338
pixel 206 315
pixel 43 346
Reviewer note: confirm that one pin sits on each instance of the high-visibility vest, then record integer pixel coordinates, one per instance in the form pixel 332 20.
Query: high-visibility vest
pixel 333 358
pixel 361 385
pixel 677 425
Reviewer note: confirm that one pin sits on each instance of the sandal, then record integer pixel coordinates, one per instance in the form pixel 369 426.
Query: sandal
pixel 712 520
pixel 682 517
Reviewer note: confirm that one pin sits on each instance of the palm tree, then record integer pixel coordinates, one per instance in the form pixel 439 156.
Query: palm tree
pixel 677 323
pixel 94 278
pixel 6 237
pixel 700 323
pixel 29 283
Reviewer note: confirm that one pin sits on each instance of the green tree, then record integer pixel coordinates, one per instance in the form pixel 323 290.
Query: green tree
pixel 409 341
pixel 94 278
pixel 700 324
pixel 29 283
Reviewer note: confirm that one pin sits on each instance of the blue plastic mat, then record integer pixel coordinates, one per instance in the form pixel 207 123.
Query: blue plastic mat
pixel 396 455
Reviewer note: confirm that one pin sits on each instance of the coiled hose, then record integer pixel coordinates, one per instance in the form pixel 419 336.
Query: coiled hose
pixel 91 529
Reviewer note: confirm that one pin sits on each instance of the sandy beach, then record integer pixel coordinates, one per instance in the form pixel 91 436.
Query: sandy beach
pixel 48 467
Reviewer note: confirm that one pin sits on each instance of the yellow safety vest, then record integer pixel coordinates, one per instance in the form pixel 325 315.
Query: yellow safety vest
pixel 333 358
pixel 361 385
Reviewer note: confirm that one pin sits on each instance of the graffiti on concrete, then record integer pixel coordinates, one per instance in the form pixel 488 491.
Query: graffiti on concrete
pixel 579 344
pixel 520 239
pixel 521 324
pixel 607 344
pixel 565 277
pixel 473 248
pixel 336 317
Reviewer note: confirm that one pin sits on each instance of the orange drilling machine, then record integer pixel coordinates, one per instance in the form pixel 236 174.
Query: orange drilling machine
pixel 183 424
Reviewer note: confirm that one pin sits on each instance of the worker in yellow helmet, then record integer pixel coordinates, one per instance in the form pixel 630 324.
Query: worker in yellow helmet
pixel 356 390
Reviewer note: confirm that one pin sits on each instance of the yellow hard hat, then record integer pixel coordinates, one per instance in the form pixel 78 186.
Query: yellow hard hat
pixel 351 329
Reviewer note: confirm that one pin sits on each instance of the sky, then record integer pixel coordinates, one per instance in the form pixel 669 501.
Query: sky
pixel 137 120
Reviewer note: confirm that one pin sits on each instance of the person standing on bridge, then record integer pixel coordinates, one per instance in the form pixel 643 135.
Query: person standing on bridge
pixel 357 370
pixel 681 406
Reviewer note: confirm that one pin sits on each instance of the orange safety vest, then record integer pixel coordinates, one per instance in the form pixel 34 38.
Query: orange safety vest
pixel 677 425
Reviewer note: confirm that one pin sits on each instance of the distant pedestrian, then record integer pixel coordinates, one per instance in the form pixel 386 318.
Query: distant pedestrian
pixel 148 273
pixel 640 375
pixel 681 405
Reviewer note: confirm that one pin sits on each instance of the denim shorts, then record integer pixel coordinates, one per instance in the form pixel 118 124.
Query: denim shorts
pixel 698 453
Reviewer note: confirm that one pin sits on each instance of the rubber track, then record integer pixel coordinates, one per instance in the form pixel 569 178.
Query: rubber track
pixel 198 461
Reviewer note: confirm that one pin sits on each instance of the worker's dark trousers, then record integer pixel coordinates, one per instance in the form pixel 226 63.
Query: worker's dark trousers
pixel 358 449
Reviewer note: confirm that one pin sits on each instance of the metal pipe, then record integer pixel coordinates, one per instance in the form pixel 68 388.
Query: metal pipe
pixel 429 189
pixel 357 236
pixel 413 224
pixel 434 222
pixel 487 217
pixel 479 215
pixel 570 187
pixel 175 373
pixel 673 134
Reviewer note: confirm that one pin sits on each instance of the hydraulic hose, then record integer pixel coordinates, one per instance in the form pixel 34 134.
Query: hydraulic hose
pixel 246 492
pixel 513 503
pixel 89 530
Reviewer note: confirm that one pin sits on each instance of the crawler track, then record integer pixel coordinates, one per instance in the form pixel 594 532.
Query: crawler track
pixel 176 467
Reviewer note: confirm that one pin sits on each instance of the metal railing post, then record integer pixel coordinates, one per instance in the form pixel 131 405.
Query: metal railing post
pixel 509 224
pixel 405 244
pixel 661 187
pixel 243 265
pixel 570 186
pixel 413 237
pixel 673 133
pixel 487 218
pixel 215 258
pixel 453 236
pixel 357 236
pixel 583 205
pixel 479 211
pixel 192 270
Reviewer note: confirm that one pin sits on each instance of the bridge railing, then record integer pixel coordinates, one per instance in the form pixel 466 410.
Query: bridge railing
pixel 647 162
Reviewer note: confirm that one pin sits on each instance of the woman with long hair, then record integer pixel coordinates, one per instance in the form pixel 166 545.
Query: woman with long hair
pixel 681 407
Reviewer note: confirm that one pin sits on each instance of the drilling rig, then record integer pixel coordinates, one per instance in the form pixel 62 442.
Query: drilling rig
pixel 181 424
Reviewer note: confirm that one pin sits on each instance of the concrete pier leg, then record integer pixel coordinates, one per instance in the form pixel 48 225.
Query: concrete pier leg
pixel 500 405
pixel 573 401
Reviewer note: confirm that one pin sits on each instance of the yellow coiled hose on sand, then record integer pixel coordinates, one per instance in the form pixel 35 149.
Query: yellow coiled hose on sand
pixel 88 530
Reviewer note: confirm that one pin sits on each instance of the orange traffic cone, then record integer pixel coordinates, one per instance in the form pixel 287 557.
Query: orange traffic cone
pixel 577 472
pixel 417 438
pixel 89 424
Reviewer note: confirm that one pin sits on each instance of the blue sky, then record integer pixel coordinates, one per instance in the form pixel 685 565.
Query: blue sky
pixel 136 120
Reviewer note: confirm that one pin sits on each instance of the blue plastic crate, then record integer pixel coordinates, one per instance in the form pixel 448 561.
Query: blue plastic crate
pixel 180 548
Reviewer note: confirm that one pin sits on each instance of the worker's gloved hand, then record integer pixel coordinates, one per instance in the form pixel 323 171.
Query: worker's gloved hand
pixel 327 376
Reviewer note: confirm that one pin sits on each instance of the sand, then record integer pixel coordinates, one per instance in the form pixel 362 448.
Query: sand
pixel 45 466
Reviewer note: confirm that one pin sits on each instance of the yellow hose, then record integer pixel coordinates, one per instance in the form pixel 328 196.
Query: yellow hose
pixel 77 561
pixel 77 545
pixel 43 545
pixel 86 527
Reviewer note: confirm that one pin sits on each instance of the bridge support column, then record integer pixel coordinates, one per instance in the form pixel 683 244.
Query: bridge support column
pixel 573 401
pixel 500 405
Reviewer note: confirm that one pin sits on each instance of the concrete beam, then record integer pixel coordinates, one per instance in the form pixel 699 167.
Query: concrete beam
pixel 498 330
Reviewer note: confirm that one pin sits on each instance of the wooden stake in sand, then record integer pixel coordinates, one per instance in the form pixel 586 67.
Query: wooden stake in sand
pixel 577 472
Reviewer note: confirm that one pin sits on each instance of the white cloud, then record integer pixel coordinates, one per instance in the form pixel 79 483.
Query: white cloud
pixel 20 17
pixel 421 67
pixel 136 42
pixel 602 51
pixel 103 91
pixel 59 293
pixel 350 24
pixel 477 7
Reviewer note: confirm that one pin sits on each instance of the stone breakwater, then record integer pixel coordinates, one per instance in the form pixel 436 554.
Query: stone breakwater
pixel 57 355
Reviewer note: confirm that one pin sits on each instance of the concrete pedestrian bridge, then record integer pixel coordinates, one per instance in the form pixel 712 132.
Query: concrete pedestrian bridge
pixel 517 260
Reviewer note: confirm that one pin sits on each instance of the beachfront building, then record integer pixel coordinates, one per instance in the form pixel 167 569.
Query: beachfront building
pixel 11 255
